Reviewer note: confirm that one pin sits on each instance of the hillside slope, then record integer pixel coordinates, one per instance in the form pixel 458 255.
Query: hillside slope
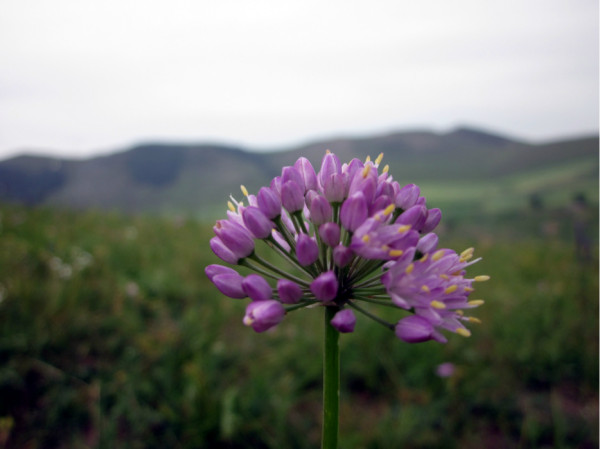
pixel 464 167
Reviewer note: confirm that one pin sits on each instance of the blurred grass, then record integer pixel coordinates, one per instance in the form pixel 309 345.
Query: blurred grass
pixel 112 337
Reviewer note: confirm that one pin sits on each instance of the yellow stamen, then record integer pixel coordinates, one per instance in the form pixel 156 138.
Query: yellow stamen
pixel 368 159
pixel 403 228
pixel 476 302
pixel 481 278
pixel 396 252
pixel 425 288
pixel 379 159
pixel 437 304
pixel 244 190
pixel 459 312
pixel 467 253
pixel 472 319
pixel 388 210
pixel 469 289
pixel 437 255
pixel 385 169
pixel 424 258
pixel 444 276
pixel 366 238
pixel 230 206
pixel 463 332
pixel 410 268
pixel 327 152
pixel 451 289
pixel 366 170
pixel 457 273
pixel 248 320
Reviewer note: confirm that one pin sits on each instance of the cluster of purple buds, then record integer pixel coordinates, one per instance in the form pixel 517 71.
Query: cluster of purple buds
pixel 352 237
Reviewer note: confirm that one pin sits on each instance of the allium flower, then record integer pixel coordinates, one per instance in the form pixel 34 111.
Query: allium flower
pixel 349 238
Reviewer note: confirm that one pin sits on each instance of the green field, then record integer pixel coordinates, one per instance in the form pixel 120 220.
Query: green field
pixel 112 337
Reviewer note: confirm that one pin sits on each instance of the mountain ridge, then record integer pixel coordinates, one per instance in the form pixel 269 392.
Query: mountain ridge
pixel 197 178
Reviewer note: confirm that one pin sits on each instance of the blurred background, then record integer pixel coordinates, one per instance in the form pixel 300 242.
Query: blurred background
pixel 124 128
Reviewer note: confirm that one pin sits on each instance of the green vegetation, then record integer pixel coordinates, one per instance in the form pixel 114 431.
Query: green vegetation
pixel 112 337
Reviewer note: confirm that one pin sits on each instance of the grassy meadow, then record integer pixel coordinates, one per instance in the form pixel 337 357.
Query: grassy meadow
pixel 111 336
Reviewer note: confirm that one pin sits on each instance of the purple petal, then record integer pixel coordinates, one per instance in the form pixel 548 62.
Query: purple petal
pixel 307 250
pixel 414 329
pixel 230 285
pixel 325 286
pixel 257 288
pixel 289 292
pixel 344 321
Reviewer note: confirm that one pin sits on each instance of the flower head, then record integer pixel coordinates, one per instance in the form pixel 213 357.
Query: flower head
pixel 349 237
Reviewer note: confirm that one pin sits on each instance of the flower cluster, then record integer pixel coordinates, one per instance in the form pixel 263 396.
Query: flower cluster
pixel 351 235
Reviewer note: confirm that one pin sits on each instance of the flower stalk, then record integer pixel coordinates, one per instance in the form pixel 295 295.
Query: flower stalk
pixel 331 382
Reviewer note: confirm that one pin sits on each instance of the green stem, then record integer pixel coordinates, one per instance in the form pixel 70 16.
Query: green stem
pixel 331 382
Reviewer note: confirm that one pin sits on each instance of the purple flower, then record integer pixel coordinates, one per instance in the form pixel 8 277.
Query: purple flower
pixel 414 329
pixel 351 234
pixel 344 321
pixel 306 250
pixel 230 285
pixel 445 369
pixel 342 255
pixel 213 270
pixel 289 292
pixel 330 233
pixel 329 166
pixel 320 210
pixel 407 196
pixel 354 211
pixel 269 202
pixel 222 251
pixel 325 286
pixel 307 173
pixel 257 288
pixel 292 196
pixel 263 315
pixel 257 222
pixel 235 237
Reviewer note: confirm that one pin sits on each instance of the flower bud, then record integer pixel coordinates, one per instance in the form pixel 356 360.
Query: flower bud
pixel 414 329
pixel 407 196
pixel 263 315
pixel 257 222
pixel 414 216
pixel 230 285
pixel 427 243
pixel 320 210
pixel 289 292
pixel 222 252
pixel 344 321
pixel 307 250
pixel 354 211
pixel 342 255
pixel 269 202
pixel 330 233
pixel 292 196
pixel 257 288
pixel 325 286
pixel 235 237
pixel 335 188
pixel 307 172
pixel 291 174
pixel 213 270
pixel 434 217
pixel 330 165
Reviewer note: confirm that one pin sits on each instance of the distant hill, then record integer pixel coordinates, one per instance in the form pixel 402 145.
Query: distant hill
pixel 464 168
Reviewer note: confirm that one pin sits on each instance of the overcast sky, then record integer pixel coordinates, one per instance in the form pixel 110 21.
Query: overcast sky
pixel 84 77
